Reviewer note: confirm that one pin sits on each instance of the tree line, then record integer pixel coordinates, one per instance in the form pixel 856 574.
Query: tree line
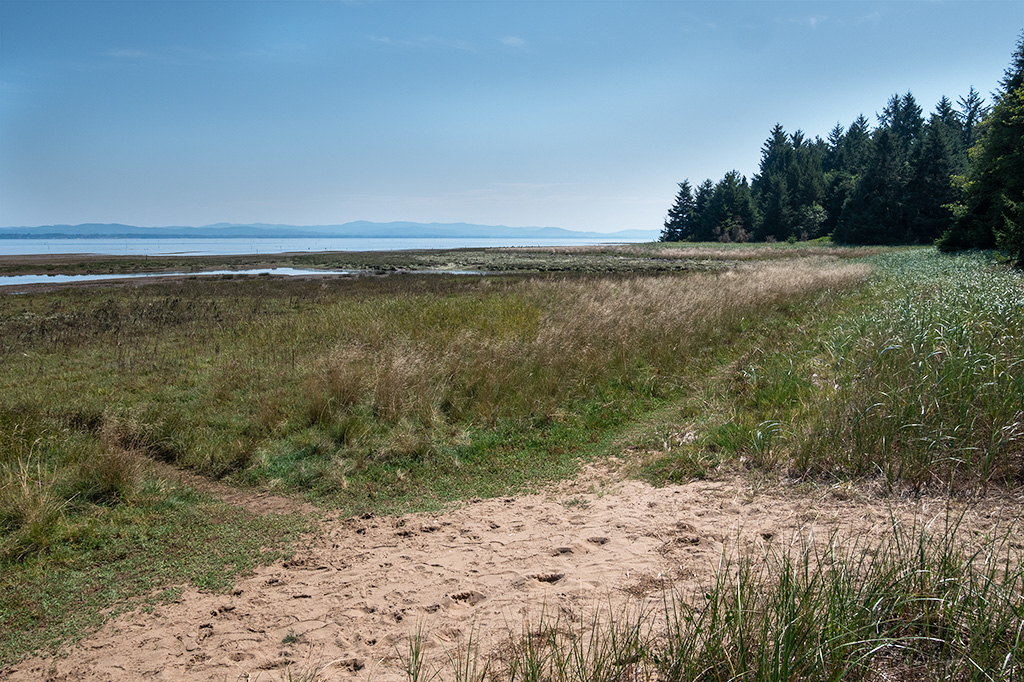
pixel 955 178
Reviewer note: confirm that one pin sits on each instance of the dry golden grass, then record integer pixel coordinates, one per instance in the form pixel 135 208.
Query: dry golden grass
pixel 546 341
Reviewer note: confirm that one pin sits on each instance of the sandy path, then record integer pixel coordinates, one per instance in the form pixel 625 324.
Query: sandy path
pixel 349 602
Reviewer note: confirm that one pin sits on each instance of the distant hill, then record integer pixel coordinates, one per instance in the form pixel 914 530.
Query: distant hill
pixel 362 228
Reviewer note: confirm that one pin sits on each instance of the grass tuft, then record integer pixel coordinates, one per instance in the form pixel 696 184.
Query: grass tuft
pixel 910 605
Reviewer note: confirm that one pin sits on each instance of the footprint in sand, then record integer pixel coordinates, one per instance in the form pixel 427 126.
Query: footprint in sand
pixel 548 577
pixel 471 597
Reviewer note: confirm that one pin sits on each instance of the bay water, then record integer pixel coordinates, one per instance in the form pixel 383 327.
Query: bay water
pixel 242 246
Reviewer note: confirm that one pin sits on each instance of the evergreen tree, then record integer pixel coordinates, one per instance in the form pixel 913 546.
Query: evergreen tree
pixel 857 146
pixel 838 189
pixel 833 159
pixel 930 190
pixel 946 115
pixel 873 213
pixel 806 181
pixel 703 221
pixel 876 212
pixel 894 184
pixel 848 155
pixel 770 187
pixel 903 118
pixel 992 212
pixel 679 224
pixel 972 111
pixel 948 119
pixel 789 189
pixel 731 210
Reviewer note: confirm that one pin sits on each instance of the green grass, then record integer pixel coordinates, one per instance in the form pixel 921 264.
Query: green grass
pixel 422 387
pixel 374 394
pixel 94 564
pixel 918 381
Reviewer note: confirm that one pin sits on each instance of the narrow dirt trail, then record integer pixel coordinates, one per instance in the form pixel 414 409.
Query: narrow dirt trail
pixel 257 502
pixel 346 606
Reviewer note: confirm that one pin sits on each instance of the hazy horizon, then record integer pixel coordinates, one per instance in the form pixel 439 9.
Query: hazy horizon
pixel 577 115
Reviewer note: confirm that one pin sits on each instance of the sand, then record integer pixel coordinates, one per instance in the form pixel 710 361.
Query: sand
pixel 348 602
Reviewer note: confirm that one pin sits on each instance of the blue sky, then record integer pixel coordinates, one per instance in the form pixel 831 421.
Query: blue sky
pixel 577 114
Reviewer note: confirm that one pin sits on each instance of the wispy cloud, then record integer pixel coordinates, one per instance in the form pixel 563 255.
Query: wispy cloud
pixel 513 41
pixel 278 52
pixel 813 20
pixel 129 54
pixel 166 55
pixel 429 41
pixel 181 55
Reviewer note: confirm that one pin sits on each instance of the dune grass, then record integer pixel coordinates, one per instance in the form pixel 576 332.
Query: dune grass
pixel 914 604
pixel 918 383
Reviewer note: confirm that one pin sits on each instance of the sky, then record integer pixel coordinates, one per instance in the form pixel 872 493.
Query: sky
pixel 581 114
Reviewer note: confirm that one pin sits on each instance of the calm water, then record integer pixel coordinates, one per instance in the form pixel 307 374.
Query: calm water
pixel 19 280
pixel 231 247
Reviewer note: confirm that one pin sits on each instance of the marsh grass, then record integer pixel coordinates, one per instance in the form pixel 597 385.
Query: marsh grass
pixel 381 394
pixel 336 387
pixel 703 252
pixel 917 382
pixel 929 386
pixel 908 606
pixel 916 603
pixel 603 258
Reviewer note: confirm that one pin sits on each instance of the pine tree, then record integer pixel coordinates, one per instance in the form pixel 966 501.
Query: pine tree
pixel 948 119
pixel 848 157
pixel 857 146
pixel 770 186
pixel 972 111
pixel 679 224
pixel 992 212
pixel 805 178
pixel 873 213
pixel 930 190
pixel 731 210
pixel 833 159
pixel 903 118
pixel 703 220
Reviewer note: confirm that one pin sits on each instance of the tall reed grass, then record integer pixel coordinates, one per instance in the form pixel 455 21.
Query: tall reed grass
pixel 918 382
pixel 927 387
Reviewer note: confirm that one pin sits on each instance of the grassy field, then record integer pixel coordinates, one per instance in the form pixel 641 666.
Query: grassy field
pixel 901 369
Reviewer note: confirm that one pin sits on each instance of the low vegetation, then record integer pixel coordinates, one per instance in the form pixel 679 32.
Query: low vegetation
pixel 598 258
pixel 920 385
pixel 387 394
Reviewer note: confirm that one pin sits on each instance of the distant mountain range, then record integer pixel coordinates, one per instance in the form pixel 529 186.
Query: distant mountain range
pixel 362 228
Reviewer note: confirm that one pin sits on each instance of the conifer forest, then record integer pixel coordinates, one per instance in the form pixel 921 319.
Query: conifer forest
pixel 955 178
